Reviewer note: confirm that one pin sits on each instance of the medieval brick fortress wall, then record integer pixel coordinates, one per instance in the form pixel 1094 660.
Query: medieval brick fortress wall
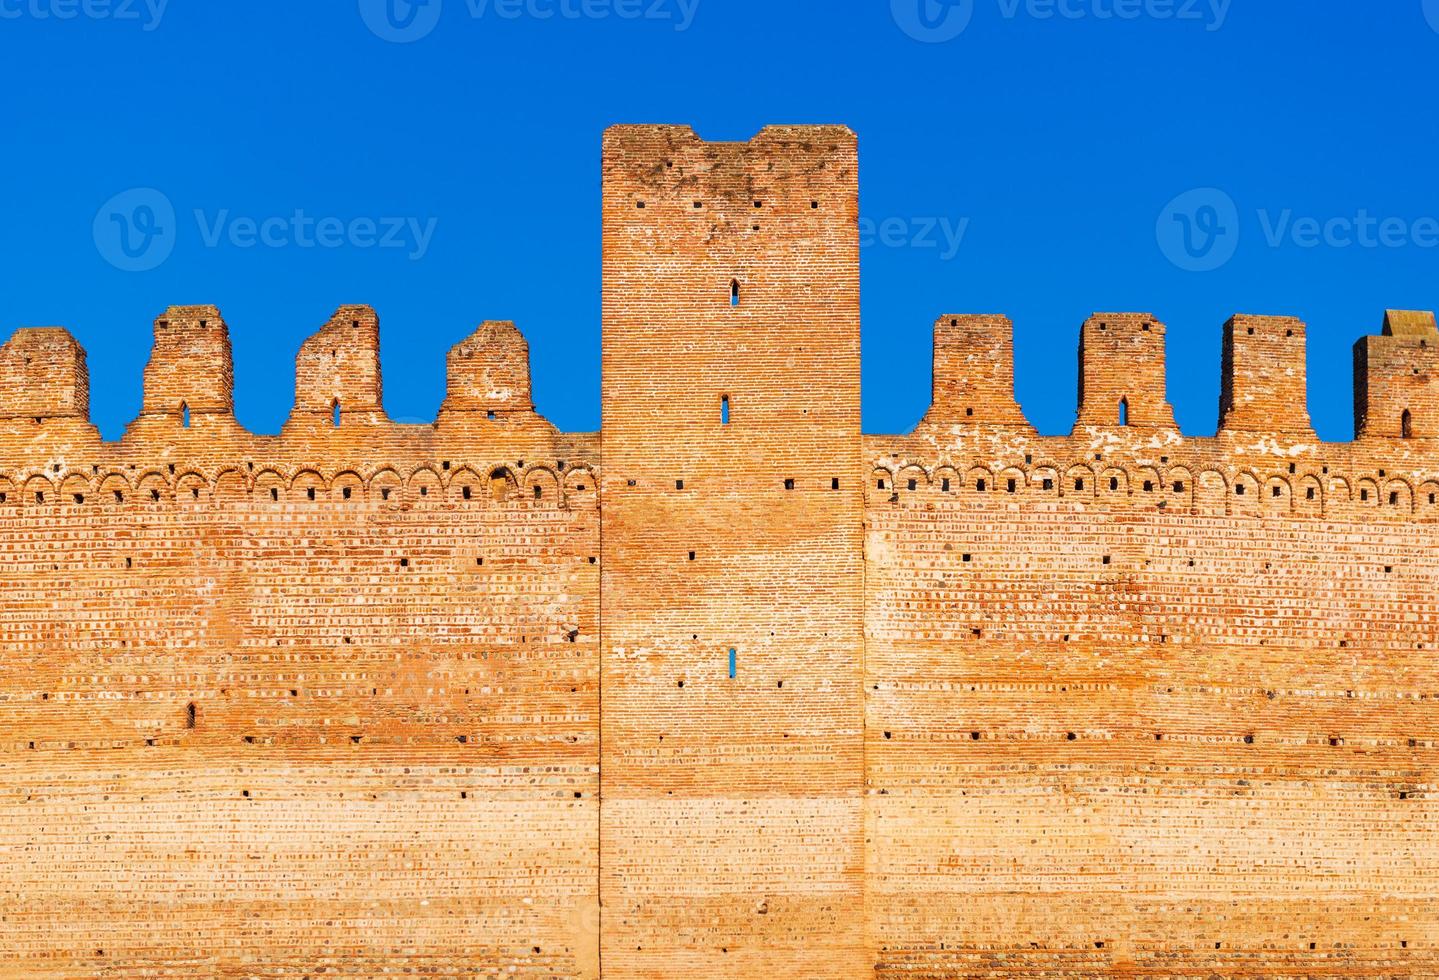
pixel 1145 704
pixel 317 704
pixel 742 692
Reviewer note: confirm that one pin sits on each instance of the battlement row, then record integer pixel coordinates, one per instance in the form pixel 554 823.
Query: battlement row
pixel 1122 376
pixel 190 375
pixel 43 375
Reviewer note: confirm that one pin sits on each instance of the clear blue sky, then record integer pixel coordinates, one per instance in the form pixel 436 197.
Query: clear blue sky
pixel 1055 142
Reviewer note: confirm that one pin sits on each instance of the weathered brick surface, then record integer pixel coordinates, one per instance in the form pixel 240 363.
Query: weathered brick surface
pixel 449 700
pixel 731 831
pixel 391 643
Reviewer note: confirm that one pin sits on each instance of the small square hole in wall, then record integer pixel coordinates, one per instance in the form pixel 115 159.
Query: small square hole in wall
pixel 1079 483
pixel 944 484
pixel 914 484
pixel 789 484
pixel 1010 486
pixel 679 484
pixel 692 556
pixel 834 483
pixel 1048 484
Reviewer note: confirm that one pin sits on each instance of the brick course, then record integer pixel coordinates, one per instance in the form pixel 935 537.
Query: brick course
pixel 346 701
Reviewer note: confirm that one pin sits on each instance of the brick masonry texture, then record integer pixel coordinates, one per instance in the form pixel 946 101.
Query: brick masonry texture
pixel 730 689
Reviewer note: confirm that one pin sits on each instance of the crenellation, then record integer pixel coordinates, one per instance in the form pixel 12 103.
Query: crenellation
pixel 337 372
pixel 1121 373
pixel 728 689
pixel 1263 386
pixel 43 375
pixel 190 372
pixel 1396 379
pixel 974 373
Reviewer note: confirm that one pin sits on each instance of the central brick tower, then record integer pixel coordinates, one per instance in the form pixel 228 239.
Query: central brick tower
pixel 732 578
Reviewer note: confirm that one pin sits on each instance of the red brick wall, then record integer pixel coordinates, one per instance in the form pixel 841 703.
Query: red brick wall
pixel 394 756
pixel 1123 702
pixel 1144 705
pixel 731 834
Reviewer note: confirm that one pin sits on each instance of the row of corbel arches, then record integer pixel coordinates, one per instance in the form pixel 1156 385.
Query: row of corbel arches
pixel 1205 491
pixel 503 483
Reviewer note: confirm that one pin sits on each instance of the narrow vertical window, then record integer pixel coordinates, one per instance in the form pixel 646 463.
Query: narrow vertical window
pixel 731 662
pixel 190 715
pixel 335 413
pixel 1406 425
pixel 1124 411
pixel 734 292
pixel 185 414
pixel 724 409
